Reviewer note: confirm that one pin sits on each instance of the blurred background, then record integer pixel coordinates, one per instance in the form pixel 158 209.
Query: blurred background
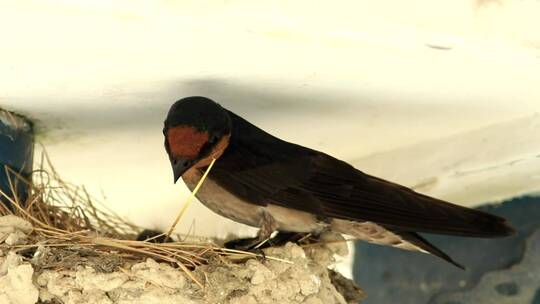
pixel 442 96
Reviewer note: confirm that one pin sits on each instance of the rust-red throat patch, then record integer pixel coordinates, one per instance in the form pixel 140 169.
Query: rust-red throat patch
pixel 186 141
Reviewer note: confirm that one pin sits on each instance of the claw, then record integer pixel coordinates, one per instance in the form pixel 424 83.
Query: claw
pixel 152 236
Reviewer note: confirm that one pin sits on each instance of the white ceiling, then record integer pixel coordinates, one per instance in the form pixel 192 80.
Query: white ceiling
pixel 352 78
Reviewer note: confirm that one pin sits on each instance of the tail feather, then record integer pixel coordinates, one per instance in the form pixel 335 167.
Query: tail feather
pixel 419 241
pixel 380 235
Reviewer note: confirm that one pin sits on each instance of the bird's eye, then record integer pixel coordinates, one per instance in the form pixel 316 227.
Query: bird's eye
pixel 212 139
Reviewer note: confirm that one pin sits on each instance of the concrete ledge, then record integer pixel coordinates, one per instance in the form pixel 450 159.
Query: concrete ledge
pixel 489 164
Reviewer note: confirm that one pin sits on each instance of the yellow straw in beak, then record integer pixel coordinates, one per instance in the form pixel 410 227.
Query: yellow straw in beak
pixel 189 199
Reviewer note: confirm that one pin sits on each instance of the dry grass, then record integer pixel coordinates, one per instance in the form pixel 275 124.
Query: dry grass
pixel 65 216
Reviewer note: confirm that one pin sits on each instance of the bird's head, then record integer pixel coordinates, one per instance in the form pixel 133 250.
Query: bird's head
pixel 196 130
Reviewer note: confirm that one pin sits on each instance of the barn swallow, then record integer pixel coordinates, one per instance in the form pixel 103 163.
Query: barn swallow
pixel 265 182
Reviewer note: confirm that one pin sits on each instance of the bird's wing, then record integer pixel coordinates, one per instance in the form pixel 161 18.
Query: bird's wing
pixel 265 170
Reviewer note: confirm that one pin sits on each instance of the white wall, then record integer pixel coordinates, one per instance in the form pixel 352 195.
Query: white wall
pixel 352 78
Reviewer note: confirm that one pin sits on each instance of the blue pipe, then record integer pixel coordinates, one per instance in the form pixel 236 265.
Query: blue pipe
pixel 16 152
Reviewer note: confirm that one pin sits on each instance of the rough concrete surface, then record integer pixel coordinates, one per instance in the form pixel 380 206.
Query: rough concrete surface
pixel 503 270
pixel 519 284
pixel 304 279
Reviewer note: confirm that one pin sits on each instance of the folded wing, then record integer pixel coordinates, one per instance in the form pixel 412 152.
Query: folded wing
pixel 265 170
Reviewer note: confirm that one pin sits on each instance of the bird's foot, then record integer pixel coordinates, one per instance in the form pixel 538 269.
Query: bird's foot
pixel 282 238
pixel 253 245
pixel 153 236
pixel 244 244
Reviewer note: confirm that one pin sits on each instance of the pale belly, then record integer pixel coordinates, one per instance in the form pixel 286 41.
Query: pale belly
pixel 222 202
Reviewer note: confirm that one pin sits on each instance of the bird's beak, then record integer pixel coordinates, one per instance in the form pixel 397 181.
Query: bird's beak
pixel 180 166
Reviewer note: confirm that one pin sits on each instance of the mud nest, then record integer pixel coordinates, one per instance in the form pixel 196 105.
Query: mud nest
pixel 67 239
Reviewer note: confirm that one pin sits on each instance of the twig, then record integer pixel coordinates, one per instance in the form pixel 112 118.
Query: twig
pixel 189 199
